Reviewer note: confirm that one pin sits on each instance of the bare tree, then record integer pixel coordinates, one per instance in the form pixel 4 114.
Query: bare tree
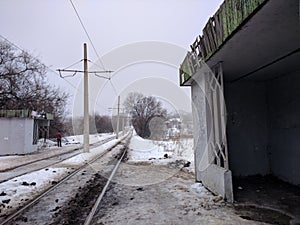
pixel 131 100
pixel 103 124
pixel 142 110
pixel 23 85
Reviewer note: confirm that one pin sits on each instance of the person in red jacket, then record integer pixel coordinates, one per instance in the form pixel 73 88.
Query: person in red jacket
pixel 58 137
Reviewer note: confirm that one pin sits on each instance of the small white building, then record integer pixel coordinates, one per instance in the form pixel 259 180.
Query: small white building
pixel 21 129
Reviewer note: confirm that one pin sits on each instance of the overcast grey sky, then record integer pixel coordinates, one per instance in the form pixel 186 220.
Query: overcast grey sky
pixel 121 30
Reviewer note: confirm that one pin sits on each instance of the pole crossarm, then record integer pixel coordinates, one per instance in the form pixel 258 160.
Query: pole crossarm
pixel 82 71
pixel 86 129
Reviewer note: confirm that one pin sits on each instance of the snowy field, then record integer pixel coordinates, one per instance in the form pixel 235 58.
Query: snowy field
pixel 161 152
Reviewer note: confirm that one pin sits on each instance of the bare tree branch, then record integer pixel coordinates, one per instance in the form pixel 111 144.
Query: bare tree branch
pixel 23 84
pixel 143 109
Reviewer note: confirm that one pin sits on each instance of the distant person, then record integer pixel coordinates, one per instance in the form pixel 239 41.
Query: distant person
pixel 58 137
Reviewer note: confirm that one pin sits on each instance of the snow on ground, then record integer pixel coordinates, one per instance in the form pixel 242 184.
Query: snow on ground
pixel 17 191
pixel 72 140
pixel 142 149
pixel 176 200
pixel 161 152
pixel 150 162
pixel 147 190
pixel 49 150
pixel 79 138
pixel 86 157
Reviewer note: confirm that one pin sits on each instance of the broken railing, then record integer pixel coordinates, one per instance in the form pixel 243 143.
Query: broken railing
pixel 219 28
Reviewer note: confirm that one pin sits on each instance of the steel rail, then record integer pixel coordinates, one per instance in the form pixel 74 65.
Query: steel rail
pixel 94 145
pixel 96 205
pixel 35 200
pixel 100 197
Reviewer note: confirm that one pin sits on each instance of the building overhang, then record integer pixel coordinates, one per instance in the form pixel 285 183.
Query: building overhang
pixel 265 47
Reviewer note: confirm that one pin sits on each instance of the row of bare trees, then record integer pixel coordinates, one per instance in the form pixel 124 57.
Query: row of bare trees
pixel 97 124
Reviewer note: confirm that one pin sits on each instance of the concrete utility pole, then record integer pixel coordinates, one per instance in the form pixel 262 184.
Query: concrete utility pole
pixel 118 118
pixel 86 131
pixel 117 136
pixel 123 128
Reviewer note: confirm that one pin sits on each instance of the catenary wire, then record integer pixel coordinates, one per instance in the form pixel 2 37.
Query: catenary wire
pixel 73 64
pixel 50 69
pixel 113 86
pixel 87 34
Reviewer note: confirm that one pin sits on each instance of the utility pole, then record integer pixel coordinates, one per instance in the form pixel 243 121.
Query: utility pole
pixel 117 136
pixel 123 128
pixel 118 117
pixel 86 131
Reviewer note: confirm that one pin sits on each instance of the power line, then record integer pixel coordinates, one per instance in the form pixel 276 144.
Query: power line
pixel 85 30
pixel 12 44
pixel 100 67
pixel 16 46
pixel 97 75
pixel 65 69
pixel 55 72
pixel 115 90
pixel 50 69
pixel 73 64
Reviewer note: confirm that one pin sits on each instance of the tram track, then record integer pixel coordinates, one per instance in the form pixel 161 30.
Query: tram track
pixel 45 162
pixel 72 178
pixel 95 207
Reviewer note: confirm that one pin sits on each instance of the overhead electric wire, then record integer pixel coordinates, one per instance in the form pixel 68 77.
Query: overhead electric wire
pixel 95 73
pixel 87 34
pixel 113 86
pixel 36 59
pixel 95 64
pixel 73 64
pixel 50 69
pixel 13 44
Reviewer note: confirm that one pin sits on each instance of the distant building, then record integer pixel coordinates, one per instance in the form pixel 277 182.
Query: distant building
pixel 244 74
pixel 173 128
pixel 21 129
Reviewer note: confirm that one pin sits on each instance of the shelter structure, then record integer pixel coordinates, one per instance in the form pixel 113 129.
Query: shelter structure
pixel 21 129
pixel 244 74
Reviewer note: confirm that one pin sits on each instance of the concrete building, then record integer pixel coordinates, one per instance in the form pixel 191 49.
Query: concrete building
pixel 244 73
pixel 21 129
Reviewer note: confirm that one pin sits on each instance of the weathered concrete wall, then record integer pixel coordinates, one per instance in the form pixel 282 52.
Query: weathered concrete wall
pixel 215 178
pixel 247 130
pixel 200 124
pixel 284 127
pixel 263 127
pixel 16 136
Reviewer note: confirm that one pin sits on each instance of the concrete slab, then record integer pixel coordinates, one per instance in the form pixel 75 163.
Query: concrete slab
pixel 218 180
